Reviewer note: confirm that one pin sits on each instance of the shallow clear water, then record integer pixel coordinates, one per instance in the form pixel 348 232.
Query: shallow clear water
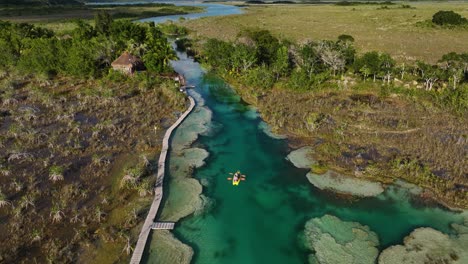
pixel 260 221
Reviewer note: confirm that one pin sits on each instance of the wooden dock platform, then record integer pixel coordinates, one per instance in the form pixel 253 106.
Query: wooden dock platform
pixel 163 225
pixel 158 190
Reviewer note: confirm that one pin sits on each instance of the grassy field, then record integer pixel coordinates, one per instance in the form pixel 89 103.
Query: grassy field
pixel 394 30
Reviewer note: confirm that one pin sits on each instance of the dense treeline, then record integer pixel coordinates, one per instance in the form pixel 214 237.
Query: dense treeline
pixel 86 52
pixel 262 60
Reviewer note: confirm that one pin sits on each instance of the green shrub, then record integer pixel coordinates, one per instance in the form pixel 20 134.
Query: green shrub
pixel 260 77
pixel 319 168
pixel 345 38
pixel 448 18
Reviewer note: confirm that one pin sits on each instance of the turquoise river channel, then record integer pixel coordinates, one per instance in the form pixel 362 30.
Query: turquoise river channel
pixel 262 219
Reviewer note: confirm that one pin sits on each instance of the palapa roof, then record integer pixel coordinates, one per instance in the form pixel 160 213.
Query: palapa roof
pixel 127 59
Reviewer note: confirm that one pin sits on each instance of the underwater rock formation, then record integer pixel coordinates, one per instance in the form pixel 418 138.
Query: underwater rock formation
pixel 427 245
pixel 336 241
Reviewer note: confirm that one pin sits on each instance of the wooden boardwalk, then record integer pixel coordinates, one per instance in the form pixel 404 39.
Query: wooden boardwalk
pixel 163 226
pixel 158 190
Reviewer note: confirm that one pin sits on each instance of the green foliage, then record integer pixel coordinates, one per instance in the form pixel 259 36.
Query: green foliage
pixel 83 30
pixel 11 40
pixel 218 53
pixel 243 58
pixel 7 54
pixel 87 52
pixel 319 168
pixel 368 64
pixel 40 56
pixel 81 58
pixel 345 38
pixel 159 51
pixel 354 3
pixel 123 31
pixel 375 64
pixel 265 43
pixel 173 29
pixel 260 77
pixel 454 99
pixel 448 18
pixel 56 170
pixel 282 65
pixel 261 60
pixel 103 23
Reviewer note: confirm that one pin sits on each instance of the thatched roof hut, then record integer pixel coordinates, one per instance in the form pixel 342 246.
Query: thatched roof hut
pixel 128 63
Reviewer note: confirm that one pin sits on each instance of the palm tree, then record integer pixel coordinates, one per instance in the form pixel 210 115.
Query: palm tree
pixel 366 71
pixel 56 173
pixel 4 170
pixel 128 247
pixel 36 235
pixel 99 214
pixel 128 179
pixel 3 201
pixel 56 214
pixel 26 201
pixel 75 219
pixel 144 188
pixel 146 161
pixel 168 54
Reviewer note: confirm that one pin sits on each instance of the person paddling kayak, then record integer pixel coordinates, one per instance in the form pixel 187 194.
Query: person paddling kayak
pixel 237 177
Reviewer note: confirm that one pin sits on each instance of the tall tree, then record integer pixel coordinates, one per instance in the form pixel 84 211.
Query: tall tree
pixel 282 65
pixel 103 23
pixel 369 63
pixel 243 58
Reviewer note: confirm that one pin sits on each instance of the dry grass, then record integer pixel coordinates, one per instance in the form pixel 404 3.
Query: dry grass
pixel 65 144
pixel 393 30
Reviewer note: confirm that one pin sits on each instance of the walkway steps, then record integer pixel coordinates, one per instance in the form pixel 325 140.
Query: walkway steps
pixel 158 190
pixel 163 226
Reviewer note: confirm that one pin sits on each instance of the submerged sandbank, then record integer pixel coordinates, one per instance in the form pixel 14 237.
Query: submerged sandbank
pixel 332 181
pixel 165 248
pixel 346 185
pixel 301 158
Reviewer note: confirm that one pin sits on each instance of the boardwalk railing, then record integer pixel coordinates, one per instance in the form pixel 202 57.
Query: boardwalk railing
pixel 158 190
